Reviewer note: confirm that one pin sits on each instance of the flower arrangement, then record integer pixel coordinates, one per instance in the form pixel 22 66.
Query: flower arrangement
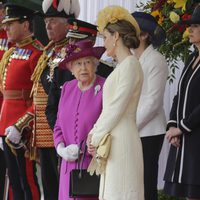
pixel 168 13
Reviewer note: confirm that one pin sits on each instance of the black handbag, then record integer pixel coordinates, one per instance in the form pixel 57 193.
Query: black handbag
pixel 82 184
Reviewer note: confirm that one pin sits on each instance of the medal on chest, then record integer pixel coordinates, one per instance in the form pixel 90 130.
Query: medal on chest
pixel 52 64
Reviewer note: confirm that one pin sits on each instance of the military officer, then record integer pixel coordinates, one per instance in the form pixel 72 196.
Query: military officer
pixel 3 47
pixel 16 68
pixel 55 17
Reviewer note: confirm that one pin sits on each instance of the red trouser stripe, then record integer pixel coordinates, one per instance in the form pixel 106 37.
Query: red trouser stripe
pixel 32 179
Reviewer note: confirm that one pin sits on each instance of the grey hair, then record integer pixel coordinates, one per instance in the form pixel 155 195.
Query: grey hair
pixel 63 20
pixel 96 62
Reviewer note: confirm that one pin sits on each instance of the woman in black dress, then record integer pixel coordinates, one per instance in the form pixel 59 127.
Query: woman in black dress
pixel 182 175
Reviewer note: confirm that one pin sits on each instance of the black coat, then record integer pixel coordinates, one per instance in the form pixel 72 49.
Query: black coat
pixel 183 164
pixel 60 77
pixel 44 80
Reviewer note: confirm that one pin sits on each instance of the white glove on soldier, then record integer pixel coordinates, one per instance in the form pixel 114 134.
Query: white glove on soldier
pixel 1 143
pixel 13 134
pixel 69 153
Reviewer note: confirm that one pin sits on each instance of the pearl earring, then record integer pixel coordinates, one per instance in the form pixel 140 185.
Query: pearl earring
pixel 114 44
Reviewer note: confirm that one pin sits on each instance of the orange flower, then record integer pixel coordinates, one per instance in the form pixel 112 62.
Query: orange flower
pixel 158 15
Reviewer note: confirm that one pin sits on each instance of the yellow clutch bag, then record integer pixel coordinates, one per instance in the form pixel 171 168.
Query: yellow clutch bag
pixel 98 162
pixel 103 149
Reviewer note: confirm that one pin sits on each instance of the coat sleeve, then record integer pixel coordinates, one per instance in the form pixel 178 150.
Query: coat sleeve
pixel 126 81
pixel 173 114
pixel 188 124
pixel 150 104
pixel 26 121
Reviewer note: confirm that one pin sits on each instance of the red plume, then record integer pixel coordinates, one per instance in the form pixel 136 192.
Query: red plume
pixel 55 4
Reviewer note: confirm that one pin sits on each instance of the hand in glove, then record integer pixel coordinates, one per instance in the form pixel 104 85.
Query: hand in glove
pixel 72 150
pixel 13 134
pixel 1 143
pixel 69 153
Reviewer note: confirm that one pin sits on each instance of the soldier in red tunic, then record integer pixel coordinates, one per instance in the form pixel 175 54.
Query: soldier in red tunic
pixel 3 47
pixel 16 68
pixel 3 39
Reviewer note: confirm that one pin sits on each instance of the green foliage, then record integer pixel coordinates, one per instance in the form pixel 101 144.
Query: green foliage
pixel 162 196
pixel 177 46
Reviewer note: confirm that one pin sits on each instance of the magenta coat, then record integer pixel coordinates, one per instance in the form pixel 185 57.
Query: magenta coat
pixel 77 113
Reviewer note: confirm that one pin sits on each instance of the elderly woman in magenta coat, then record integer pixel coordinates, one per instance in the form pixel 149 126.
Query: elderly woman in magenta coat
pixel 79 108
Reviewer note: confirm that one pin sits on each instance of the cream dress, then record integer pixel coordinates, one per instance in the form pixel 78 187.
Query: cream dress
pixel 123 178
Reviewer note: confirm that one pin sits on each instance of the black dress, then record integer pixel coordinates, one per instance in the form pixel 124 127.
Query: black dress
pixel 182 175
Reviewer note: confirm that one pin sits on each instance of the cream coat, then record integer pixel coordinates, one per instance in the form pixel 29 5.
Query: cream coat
pixel 123 179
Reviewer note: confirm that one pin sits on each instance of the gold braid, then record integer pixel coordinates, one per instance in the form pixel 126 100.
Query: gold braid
pixel 41 65
pixel 5 61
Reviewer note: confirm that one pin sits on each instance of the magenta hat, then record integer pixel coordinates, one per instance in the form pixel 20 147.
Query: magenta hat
pixel 81 49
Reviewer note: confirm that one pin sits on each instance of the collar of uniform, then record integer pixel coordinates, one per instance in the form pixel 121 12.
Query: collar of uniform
pixel 25 41
pixel 61 43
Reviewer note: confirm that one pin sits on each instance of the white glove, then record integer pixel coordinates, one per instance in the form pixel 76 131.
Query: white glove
pixel 13 134
pixel 72 150
pixel 69 153
pixel 1 143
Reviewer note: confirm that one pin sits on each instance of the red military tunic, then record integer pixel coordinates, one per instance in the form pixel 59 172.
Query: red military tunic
pixel 16 78
pixel 3 47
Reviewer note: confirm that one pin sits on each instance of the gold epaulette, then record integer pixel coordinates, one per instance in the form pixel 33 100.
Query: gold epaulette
pixel 24 122
pixel 37 45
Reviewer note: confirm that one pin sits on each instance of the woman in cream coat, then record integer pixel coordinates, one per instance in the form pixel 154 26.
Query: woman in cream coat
pixel 123 177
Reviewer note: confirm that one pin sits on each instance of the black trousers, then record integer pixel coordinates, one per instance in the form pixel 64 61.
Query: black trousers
pixel 2 173
pixel 151 150
pixel 49 172
pixel 21 175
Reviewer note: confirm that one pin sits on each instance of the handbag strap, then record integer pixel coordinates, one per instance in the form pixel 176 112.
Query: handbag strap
pixel 81 159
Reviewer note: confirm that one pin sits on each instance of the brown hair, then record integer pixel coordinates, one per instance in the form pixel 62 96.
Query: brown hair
pixel 126 31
